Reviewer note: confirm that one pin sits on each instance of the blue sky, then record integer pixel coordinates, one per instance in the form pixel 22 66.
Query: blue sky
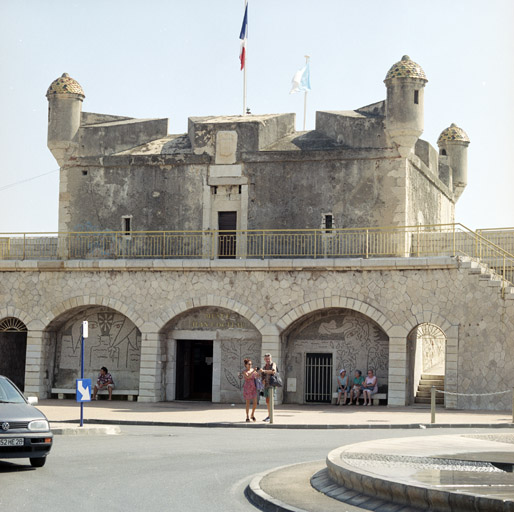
pixel 167 58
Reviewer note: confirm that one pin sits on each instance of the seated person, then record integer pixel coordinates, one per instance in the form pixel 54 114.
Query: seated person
pixel 370 387
pixel 104 381
pixel 343 386
pixel 355 392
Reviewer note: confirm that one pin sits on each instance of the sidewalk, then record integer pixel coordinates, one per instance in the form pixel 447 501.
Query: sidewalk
pixel 286 416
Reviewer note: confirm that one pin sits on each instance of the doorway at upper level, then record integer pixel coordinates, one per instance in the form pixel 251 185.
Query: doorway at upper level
pixel 227 226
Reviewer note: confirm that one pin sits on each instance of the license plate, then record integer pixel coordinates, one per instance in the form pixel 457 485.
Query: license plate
pixel 13 441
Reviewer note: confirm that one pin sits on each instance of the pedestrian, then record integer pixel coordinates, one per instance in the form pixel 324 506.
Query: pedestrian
pixel 356 388
pixel 104 380
pixel 270 368
pixel 250 391
pixel 370 387
pixel 343 385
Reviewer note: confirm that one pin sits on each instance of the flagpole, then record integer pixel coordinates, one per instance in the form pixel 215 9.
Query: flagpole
pixel 244 83
pixel 245 58
pixel 307 57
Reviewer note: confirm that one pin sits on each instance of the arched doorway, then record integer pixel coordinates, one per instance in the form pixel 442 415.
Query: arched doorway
pixel 205 348
pixel 114 341
pixel 13 350
pixel 320 344
pixel 427 360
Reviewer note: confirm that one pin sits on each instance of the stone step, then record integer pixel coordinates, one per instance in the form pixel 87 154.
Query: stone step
pixel 426 389
pixel 423 400
pixel 432 376
pixel 485 276
pixel 477 270
pixel 432 382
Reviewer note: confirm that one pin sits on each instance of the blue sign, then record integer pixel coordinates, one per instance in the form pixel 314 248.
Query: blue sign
pixel 83 390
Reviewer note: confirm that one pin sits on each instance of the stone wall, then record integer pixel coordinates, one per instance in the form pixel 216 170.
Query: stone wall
pixel 395 294
pixel 359 188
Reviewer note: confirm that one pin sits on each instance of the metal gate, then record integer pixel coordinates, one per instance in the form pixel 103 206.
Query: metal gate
pixel 318 378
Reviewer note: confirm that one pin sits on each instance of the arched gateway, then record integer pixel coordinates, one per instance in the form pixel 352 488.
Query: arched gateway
pixel 317 346
pixel 205 348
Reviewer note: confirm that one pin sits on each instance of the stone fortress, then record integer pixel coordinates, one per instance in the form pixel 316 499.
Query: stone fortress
pixel 187 253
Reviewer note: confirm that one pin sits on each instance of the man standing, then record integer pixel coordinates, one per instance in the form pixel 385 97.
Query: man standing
pixel 104 381
pixel 270 368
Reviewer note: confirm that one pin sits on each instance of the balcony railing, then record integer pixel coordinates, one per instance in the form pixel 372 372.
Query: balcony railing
pixel 405 241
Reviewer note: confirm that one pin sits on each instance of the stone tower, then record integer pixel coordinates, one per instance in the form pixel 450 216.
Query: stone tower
pixel 453 143
pixel 65 96
pixel 405 83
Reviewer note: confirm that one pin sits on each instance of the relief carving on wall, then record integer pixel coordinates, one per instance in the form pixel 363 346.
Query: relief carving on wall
pixel 113 341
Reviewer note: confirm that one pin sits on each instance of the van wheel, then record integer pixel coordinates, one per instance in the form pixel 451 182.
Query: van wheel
pixel 37 462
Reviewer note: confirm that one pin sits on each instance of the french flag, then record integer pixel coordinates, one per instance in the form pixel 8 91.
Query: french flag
pixel 243 36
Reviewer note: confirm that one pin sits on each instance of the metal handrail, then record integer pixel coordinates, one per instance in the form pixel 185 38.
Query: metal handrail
pixel 367 242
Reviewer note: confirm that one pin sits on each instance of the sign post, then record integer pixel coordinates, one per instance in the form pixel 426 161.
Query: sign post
pixel 83 391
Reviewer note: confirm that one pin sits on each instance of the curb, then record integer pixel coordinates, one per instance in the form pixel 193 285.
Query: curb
pixel 262 500
pixel 225 424
pixel 417 495
pixel 85 431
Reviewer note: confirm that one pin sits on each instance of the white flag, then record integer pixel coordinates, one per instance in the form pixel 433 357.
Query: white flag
pixel 301 80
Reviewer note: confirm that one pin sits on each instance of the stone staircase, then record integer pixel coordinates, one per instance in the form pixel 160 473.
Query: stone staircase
pixel 487 276
pixel 425 384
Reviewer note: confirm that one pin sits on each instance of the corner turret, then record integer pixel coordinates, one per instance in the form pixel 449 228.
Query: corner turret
pixel 453 143
pixel 405 83
pixel 65 96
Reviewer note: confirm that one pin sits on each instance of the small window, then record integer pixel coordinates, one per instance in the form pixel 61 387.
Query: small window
pixel 126 225
pixel 443 152
pixel 214 190
pixel 416 97
pixel 328 222
pixel 240 188
pixel 84 172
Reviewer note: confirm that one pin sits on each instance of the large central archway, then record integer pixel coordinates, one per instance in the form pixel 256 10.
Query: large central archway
pixel 205 348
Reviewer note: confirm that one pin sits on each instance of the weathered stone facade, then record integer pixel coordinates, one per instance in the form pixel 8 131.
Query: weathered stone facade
pixel 263 305
pixel 179 327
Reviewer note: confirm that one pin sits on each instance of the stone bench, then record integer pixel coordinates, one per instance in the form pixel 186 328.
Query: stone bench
pixel 129 393
pixel 376 397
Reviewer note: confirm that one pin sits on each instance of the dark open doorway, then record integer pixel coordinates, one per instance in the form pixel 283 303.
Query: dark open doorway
pixel 194 370
pixel 227 225
pixel 13 350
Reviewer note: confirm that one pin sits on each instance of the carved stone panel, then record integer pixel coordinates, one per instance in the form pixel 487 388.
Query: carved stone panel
pixel 226 147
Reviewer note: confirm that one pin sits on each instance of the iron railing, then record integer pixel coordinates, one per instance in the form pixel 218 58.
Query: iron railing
pixel 489 246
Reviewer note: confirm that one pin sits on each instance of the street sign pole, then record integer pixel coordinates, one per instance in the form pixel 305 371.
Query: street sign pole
pixel 84 334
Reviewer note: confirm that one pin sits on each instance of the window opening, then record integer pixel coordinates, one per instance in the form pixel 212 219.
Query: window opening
pixel 328 222
pixel 416 97
pixel 127 225
pixel 214 190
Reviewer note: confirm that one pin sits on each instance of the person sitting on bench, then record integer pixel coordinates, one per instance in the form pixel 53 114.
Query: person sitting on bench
pixel 104 381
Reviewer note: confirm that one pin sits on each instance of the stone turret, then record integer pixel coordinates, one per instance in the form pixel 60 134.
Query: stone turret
pixel 405 83
pixel 453 143
pixel 65 96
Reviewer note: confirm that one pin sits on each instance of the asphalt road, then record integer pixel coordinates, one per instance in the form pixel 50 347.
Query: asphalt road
pixel 167 468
